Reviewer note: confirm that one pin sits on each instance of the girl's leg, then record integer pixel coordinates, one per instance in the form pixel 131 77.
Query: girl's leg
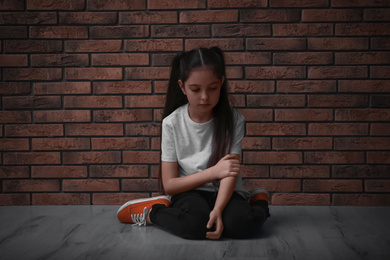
pixel 187 216
pixel 242 220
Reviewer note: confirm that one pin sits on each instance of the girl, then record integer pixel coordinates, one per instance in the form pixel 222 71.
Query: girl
pixel 200 158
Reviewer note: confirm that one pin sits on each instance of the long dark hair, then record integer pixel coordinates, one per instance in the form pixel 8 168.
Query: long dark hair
pixel 182 65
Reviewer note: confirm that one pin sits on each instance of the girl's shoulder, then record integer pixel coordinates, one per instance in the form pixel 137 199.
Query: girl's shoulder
pixel 176 115
pixel 237 116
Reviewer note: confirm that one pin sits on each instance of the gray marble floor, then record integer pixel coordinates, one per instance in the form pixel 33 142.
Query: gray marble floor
pixel 293 232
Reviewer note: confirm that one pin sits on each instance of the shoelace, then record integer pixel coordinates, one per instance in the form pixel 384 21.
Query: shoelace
pixel 140 219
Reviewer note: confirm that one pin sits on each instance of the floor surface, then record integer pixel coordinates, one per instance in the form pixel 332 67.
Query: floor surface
pixel 292 232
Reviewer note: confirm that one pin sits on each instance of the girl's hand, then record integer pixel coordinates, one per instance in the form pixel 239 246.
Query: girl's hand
pixel 215 219
pixel 228 166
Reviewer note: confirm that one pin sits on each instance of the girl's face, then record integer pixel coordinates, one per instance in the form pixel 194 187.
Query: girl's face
pixel 202 89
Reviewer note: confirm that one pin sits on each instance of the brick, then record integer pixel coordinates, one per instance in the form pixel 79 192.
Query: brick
pixel 302 58
pixel 251 86
pixel 303 115
pixel 94 129
pixel 332 186
pixel 362 29
pixel 61 116
pixel 380 71
pixel 302 143
pixel 279 72
pixel 31 185
pixel 377 185
pixel 331 15
pixel 359 3
pixel 15 117
pixel 276 100
pixel 139 185
pixel 147 73
pixel 361 199
pixel 256 143
pixel 122 87
pixel 364 86
pixel 337 101
pixel 91 18
pixel 301 199
pixel 162 59
pixel 148 17
pixel 234 72
pixel 91 157
pixel 120 143
pixel 237 3
pixel 13 60
pixel 209 16
pixel 380 129
pixel 380 43
pixel 376 15
pixel 315 29
pixel 93 46
pixel 160 87
pixel 362 115
pixel 180 31
pixel 261 16
pixel 61 199
pixel 13 144
pixel 145 101
pixel 59 60
pixel 237 100
pixel 298 3
pixel 29 102
pixel 14 172
pixel 149 45
pixel 300 171
pixel 29 158
pixel 380 101
pixel 273 185
pixel 382 157
pixel 362 143
pixel 141 157
pixel 276 44
pixel 334 157
pixel 306 86
pixel 119 171
pixel 14 88
pixel 8 32
pixel 55 4
pixel 53 144
pixel 360 171
pixel 62 88
pixel 45 130
pixel 264 115
pixel 128 115
pixel 92 102
pixel 362 58
pixel 272 157
pixel 334 72
pixel 93 73
pixel 33 46
pixel 99 5
pixel 275 129
pixel 29 74
pixel 241 58
pixel 12 5
pixel 90 185
pixel 339 43
pixel 115 198
pixel 119 32
pixel 240 30
pixel 334 129
pixel 14 199
pixel 59 172
pixel 28 18
pixel 59 32
pixel 148 129
pixel 177 4
pixel 122 59
pixel 254 171
pixel 226 44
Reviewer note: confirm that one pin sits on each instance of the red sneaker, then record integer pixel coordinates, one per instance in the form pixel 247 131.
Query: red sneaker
pixel 136 211
pixel 259 194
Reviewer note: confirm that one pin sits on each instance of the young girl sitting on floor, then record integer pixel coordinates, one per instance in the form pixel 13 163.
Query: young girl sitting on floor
pixel 200 158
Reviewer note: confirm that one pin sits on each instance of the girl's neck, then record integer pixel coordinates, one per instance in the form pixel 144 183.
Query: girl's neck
pixel 199 117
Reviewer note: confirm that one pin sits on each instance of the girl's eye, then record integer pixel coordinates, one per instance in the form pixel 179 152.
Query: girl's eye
pixel 194 90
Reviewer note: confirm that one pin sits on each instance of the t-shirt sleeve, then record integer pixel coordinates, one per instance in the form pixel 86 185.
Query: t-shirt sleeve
pixel 239 129
pixel 168 148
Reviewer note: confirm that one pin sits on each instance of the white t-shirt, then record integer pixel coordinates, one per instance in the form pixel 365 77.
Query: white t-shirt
pixel 190 144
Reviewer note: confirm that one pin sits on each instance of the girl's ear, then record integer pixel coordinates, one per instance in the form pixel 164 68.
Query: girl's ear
pixel 222 80
pixel 181 84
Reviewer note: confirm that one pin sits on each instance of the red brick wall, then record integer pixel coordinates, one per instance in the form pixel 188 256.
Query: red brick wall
pixel 82 87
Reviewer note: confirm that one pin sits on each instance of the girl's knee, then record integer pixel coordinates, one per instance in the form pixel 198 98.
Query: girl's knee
pixel 194 227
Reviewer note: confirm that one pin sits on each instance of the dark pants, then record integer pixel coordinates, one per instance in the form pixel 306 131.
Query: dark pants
pixel 189 212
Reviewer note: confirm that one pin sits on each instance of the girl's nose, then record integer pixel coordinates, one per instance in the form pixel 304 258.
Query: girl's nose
pixel 204 95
